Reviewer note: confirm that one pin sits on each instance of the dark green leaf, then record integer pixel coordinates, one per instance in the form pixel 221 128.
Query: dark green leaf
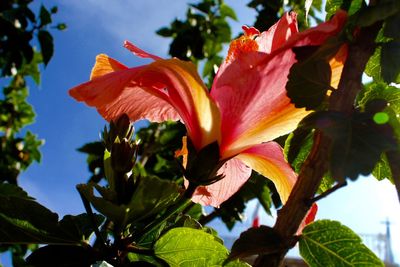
pixel 391 28
pixel 44 15
pixel 165 32
pixel 329 243
pixel 390 63
pixel 95 148
pixel 150 197
pixel 371 14
pixel 54 10
pixel 46 45
pixel 80 227
pixel 22 220
pixel 310 78
pixel 297 147
pixel 63 255
pixel 254 241
pixel 308 83
pixel 357 141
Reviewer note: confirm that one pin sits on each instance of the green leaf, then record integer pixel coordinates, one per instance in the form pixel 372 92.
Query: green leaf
pixel 22 220
pixel 382 169
pixel 373 68
pixel 44 15
pixel 80 227
pixel 389 62
pixel 328 243
pixel 190 247
pixel 352 6
pixel 32 68
pixel 310 78
pixel 391 28
pixel 151 196
pixel 227 11
pixel 383 10
pixel 262 239
pixel 46 45
pixel 357 141
pixel 391 94
pixel 63 255
pixel 297 148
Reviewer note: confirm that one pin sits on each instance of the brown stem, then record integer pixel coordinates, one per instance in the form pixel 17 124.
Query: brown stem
pixel 292 214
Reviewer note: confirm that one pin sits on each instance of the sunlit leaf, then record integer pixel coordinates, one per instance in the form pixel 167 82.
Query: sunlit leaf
pixel 329 243
pixel 191 247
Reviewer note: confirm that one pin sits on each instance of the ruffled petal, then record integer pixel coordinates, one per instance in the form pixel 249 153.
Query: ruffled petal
pixel 113 92
pixel 250 89
pixel 268 160
pixel 279 33
pixel 236 174
pixel 162 90
pixel 184 89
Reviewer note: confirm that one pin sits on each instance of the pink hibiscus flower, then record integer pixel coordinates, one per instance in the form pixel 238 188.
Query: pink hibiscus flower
pixel 246 109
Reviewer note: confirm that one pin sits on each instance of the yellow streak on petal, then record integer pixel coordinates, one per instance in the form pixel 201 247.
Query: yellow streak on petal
pixel 272 126
pixel 337 63
pixel 104 65
pixel 193 92
pixel 282 181
pixel 183 152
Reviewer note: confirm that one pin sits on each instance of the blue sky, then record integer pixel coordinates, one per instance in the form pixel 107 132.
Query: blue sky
pixel 97 26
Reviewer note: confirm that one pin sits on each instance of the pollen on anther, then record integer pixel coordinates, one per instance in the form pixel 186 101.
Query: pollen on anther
pixel 243 44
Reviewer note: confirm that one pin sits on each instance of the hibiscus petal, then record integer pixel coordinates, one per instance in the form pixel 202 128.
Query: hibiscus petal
pixel 139 52
pixel 250 90
pixel 104 65
pixel 112 91
pixel 279 33
pixel 236 174
pixel 337 64
pixel 268 160
pixel 158 91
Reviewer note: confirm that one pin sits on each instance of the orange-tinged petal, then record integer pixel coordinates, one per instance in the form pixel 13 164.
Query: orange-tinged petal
pixel 236 174
pixel 185 90
pixel 337 63
pixel 113 92
pixel 162 90
pixel 250 90
pixel 104 65
pixel 183 152
pixel 268 160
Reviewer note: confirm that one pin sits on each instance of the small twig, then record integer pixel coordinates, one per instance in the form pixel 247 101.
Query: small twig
pixel 89 211
pixel 328 192
pixel 208 218
pixel 138 250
